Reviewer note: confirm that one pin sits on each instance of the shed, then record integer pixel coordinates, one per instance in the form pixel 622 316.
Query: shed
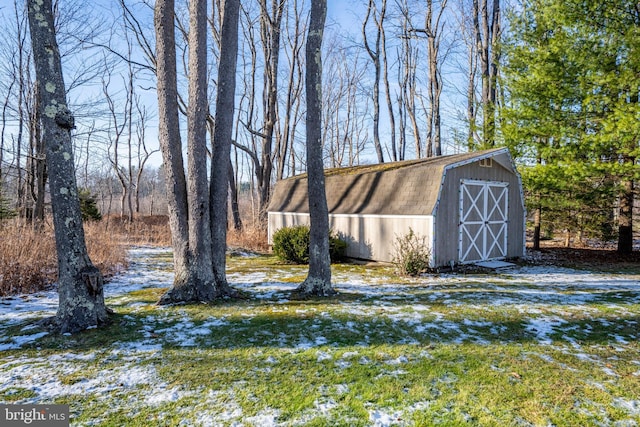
pixel 469 207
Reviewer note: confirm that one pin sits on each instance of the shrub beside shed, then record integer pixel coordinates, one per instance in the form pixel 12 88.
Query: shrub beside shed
pixel 469 206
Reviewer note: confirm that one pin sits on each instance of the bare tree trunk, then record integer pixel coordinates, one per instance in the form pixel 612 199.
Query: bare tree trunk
pixel 5 105
pixel 437 138
pixel 294 91
pixel 407 69
pixel 270 27
pixel 143 152
pixel 80 283
pixel 235 207
pixel 318 281
pixel 169 137
pixel 433 32
pixel 385 77
pixel 221 150
pixel 488 33
pixel 113 151
pixel 402 117
pixel 153 196
pixel 412 113
pixel 375 58
pixel 201 281
pixel 129 120
pixel 233 181
pixel 110 205
pixel 494 61
pixel 481 23
pixel 471 96
pixel 537 216
pixel 40 159
pixel 20 202
pixel 37 171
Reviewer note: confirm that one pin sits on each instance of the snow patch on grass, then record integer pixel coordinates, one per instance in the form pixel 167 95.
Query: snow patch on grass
pixel 543 327
pixel 557 314
pixel 264 418
pixel 20 340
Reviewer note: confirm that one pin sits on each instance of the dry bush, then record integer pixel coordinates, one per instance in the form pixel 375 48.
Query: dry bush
pixel 411 254
pixel 106 249
pixel 28 261
pixel 250 238
pixel 143 231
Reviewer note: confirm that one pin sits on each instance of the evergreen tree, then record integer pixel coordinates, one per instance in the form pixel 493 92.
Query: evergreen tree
pixel 5 208
pixel 88 205
pixel 572 110
pixel 5 211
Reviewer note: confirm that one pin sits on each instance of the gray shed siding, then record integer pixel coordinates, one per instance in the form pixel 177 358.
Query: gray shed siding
pixel 372 205
pixel 447 215
pixel 367 236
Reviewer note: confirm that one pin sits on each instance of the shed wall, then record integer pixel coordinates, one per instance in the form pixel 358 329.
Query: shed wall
pixel 367 236
pixel 447 215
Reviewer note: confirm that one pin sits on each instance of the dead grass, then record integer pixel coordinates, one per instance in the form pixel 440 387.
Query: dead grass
pixel 250 238
pixel 154 231
pixel 28 260
pixel 144 230
pixel 106 250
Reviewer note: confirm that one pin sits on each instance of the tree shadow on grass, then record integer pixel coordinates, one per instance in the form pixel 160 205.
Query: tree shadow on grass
pixel 351 319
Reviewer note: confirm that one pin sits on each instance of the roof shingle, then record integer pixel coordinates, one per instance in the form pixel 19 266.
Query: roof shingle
pixel 400 188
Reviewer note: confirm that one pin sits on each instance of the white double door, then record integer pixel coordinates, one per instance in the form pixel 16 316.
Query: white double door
pixel 483 220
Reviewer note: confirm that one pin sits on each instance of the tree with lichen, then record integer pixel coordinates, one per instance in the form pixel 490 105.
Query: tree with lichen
pixel 80 283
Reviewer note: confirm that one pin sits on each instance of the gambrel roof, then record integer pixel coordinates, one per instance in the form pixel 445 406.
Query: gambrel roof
pixel 400 188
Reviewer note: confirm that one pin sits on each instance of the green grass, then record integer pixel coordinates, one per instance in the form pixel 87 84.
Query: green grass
pixel 437 350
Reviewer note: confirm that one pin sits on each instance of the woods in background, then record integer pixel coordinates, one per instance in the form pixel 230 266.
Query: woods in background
pixel 556 82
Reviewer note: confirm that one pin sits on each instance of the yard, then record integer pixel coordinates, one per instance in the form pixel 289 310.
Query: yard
pixel 531 345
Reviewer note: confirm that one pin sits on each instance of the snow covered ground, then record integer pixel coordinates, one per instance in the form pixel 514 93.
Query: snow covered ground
pixel 559 309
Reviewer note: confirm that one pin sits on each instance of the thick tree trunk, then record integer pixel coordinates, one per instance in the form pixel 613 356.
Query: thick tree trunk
pixel 318 281
pixel 169 137
pixel 201 280
pixel 80 283
pixel 223 128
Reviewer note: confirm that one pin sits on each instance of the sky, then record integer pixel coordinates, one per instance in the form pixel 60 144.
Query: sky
pixel 343 18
